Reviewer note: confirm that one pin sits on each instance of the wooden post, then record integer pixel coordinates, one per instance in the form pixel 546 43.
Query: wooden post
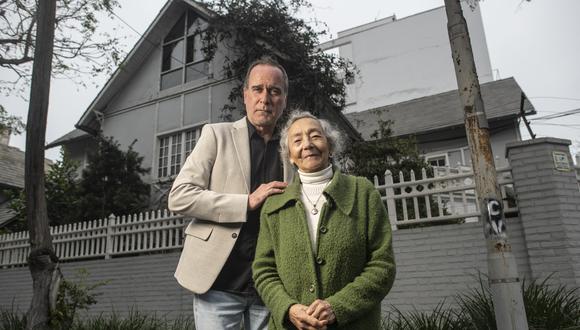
pixel 503 276
pixel 391 206
pixel 110 230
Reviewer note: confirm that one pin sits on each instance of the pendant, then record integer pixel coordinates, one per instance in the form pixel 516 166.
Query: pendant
pixel 314 211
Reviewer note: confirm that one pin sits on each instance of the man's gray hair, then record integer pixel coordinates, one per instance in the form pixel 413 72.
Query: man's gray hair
pixel 333 135
pixel 267 60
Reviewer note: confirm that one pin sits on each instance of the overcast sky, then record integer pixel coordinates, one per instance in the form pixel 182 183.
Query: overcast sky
pixel 536 42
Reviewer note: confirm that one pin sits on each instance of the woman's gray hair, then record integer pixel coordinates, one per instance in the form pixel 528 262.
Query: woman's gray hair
pixel 333 135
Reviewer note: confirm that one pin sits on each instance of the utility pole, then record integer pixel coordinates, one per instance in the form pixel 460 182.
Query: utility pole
pixel 42 261
pixel 504 281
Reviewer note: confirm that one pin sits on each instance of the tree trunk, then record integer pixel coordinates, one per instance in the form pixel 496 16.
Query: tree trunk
pixel 42 261
pixel 503 277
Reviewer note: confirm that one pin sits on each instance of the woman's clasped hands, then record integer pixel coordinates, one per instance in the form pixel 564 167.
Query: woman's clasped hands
pixel 316 316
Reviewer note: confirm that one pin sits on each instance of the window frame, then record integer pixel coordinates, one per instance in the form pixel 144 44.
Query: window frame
pixel 184 65
pixel 175 151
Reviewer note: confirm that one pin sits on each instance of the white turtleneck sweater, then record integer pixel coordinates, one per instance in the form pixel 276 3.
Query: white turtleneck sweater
pixel 313 185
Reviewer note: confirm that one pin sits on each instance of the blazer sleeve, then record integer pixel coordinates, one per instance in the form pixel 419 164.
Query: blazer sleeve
pixel 190 194
pixel 370 287
pixel 266 277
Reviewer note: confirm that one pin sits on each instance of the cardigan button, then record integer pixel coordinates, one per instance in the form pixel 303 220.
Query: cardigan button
pixel 234 235
pixel 320 261
pixel 323 229
pixel 312 288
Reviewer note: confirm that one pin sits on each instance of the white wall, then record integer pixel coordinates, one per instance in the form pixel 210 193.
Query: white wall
pixel 404 59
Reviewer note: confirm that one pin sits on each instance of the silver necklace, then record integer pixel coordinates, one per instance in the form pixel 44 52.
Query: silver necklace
pixel 314 210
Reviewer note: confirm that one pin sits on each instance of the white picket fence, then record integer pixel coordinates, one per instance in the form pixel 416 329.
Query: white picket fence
pixel 104 238
pixel 446 196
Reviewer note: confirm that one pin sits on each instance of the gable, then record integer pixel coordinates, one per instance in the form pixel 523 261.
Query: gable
pixel 139 64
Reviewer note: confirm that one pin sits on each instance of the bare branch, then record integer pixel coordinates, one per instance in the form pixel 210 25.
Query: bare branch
pixel 15 61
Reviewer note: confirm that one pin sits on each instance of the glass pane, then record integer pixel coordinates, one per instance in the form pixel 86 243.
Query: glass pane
pixel 171 79
pixel 176 31
pixel 163 157
pixel 196 71
pixel 194 49
pixel 190 140
pixel 193 22
pixel 175 154
pixel 455 158
pixel 173 55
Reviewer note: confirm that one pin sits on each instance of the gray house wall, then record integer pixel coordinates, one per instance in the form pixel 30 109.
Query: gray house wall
pixel 407 58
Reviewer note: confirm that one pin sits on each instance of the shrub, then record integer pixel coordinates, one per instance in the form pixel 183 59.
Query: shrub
pixel 548 307
pixel 12 319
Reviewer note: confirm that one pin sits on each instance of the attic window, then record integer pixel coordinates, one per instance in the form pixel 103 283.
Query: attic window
pixel 183 59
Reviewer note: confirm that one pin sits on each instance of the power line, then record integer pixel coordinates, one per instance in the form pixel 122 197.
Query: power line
pixel 559 125
pixel 558 115
pixel 554 97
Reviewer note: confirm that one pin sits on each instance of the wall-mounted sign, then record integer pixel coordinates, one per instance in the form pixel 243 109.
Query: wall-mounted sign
pixel 561 161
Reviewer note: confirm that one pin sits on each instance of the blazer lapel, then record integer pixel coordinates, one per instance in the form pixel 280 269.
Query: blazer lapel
pixel 242 145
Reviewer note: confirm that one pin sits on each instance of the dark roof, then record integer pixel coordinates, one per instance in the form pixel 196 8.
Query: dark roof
pixel 73 135
pixel 12 167
pixel 501 99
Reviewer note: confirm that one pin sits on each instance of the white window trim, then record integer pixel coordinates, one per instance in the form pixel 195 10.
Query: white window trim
pixel 182 150
pixel 445 156
pixel 184 64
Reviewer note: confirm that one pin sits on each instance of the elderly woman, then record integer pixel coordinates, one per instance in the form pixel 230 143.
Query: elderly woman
pixel 324 256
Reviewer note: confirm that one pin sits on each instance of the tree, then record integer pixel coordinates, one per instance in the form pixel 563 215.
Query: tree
pixel 10 124
pixel 31 32
pixel 62 191
pixel 78 47
pixel 111 182
pixel 253 28
pixel 42 261
pixel 383 152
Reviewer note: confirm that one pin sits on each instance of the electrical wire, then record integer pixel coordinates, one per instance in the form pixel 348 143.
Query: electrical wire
pixel 558 115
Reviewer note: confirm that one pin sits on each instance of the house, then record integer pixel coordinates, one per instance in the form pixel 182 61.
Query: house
pixel 11 178
pixel 436 122
pixel 406 75
pixel 160 96
pixel 166 90
pixel 404 59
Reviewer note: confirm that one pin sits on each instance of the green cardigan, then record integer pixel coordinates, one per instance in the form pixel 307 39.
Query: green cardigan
pixel 353 267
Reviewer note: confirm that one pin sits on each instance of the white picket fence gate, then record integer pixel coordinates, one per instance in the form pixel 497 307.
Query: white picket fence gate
pixel 104 238
pixel 447 195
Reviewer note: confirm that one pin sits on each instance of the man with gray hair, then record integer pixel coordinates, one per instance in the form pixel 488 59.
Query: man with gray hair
pixel 225 180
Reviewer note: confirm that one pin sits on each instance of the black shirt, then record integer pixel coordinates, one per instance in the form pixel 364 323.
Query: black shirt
pixel 266 166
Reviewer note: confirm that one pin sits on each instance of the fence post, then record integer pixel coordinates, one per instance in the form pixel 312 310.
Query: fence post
pixel 391 207
pixel 110 231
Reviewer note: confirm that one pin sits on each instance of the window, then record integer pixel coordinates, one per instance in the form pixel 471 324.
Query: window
pixel 174 149
pixel 183 58
pixel 437 161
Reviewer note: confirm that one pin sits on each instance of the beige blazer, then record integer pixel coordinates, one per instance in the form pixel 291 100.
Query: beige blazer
pixel 213 188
